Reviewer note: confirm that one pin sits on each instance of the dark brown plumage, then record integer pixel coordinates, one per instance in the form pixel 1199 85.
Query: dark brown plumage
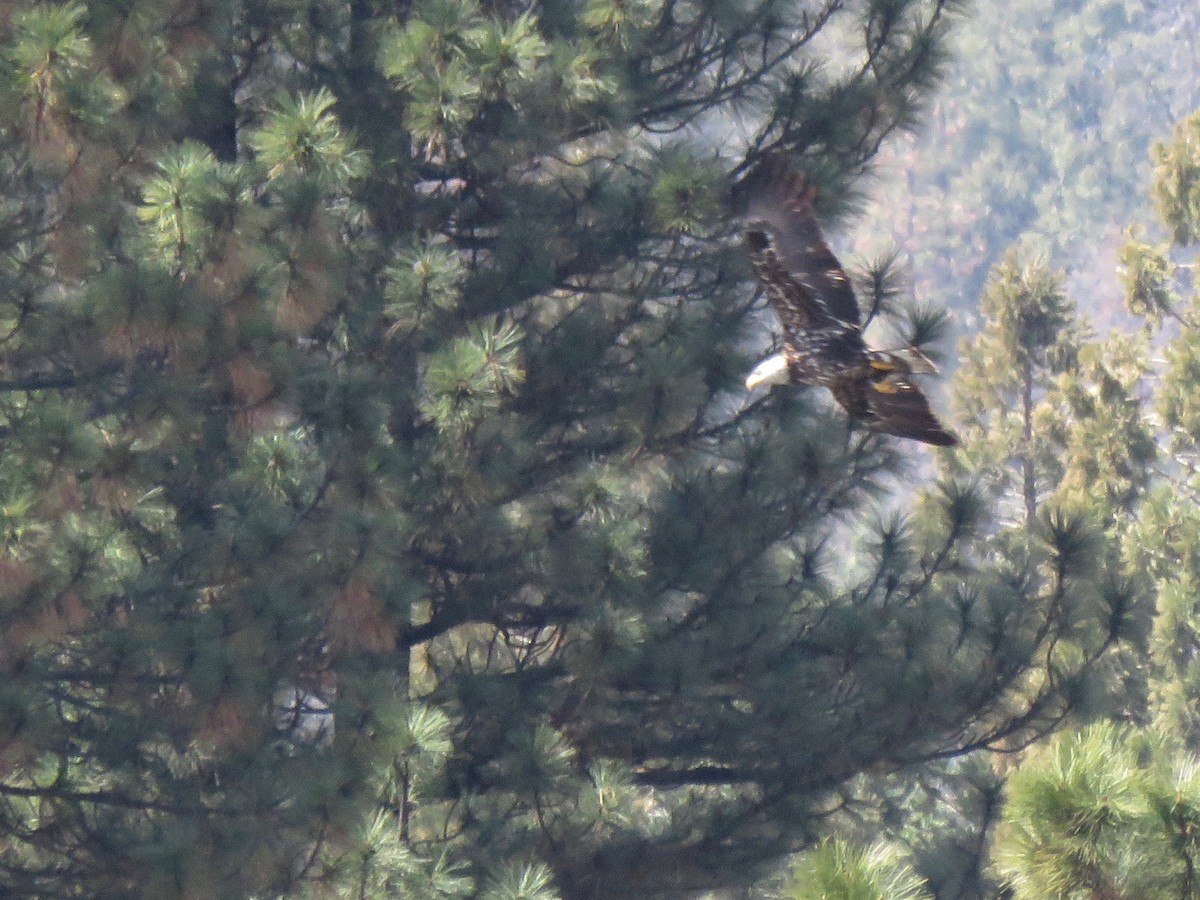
pixel 822 326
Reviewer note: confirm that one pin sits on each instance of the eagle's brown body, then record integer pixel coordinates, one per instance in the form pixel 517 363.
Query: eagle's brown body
pixel 822 327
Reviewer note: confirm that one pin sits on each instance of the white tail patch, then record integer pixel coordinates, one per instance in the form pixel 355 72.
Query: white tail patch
pixel 773 370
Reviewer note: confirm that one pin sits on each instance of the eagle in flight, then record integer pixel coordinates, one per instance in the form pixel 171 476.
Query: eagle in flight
pixel 822 327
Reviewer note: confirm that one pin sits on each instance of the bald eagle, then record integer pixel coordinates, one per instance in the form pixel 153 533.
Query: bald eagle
pixel 822 327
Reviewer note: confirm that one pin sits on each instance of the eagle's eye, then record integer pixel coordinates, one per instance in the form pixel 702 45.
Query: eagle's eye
pixel 757 240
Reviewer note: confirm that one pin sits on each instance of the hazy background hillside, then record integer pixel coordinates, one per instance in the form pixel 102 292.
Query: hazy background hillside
pixel 1041 136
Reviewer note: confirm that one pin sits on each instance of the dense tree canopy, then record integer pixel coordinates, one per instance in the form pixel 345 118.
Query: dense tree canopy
pixel 381 509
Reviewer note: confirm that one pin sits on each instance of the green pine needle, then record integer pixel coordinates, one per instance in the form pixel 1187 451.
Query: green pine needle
pixel 471 377
pixel 521 881
pixel 422 282
pixel 49 45
pixel 302 138
pixel 685 196
pixel 508 53
pixel 881 284
pixel 186 200
pixel 620 22
pixel 1148 276
pixel 839 871
pixel 426 731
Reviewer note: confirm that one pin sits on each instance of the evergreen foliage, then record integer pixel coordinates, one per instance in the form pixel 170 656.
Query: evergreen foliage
pixel 1108 811
pixel 381 510
pixel 836 871
pixel 1057 417
pixel 1164 540
pixel 1102 813
pixel 1040 137
pixel 1061 449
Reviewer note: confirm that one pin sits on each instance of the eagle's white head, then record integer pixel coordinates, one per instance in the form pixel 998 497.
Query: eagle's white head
pixel 773 370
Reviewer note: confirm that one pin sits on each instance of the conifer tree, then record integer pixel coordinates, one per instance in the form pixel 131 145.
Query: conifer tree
pixel 837 871
pixel 1059 444
pixel 382 513
pixel 1111 810
pixel 1005 387
pixel 1063 443
pixel 1164 541
pixel 1058 417
pixel 1102 813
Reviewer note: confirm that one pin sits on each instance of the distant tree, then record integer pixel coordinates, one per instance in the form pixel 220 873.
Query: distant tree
pixel 1053 416
pixel 1165 540
pixel 1058 443
pixel 381 509
pixel 1110 811
pixel 1042 134
pixel 1005 388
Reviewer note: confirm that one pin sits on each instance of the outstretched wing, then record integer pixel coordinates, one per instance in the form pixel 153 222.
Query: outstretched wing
pixel 894 405
pixel 802 278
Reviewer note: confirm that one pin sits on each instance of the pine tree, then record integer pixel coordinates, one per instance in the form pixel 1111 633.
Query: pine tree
pixel 1005 387
pixel 1158 286
pixel 836 871
pixel 1060 448
pixel 382 513
pixel 1102 813
pixel 1054 418
pixel 1110 811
